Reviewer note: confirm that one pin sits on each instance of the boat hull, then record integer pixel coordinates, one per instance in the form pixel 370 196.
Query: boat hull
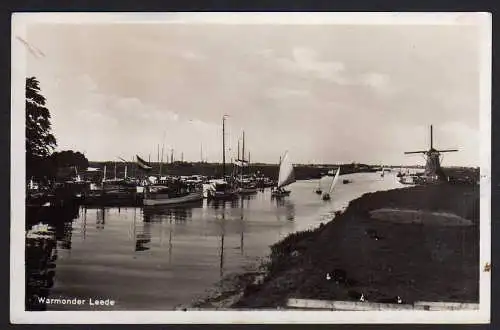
pixel 280 193
pixel 97 198
pixel 192 197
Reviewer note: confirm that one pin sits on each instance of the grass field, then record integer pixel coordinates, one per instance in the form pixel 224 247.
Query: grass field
pixel 379 259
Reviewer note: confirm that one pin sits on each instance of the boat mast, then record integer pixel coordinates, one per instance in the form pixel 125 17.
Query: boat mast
pixel 104 176
pixel 238 150
pixel 133 168
pixel 223 147
pixel 161 164
pixel 243 155
pixel 238 159
pixel 279 165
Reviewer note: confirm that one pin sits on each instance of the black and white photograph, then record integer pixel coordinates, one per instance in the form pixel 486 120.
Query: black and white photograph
pixel 250 168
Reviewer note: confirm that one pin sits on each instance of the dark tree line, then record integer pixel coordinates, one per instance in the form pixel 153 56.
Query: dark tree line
pixel 41 161
pixel 69 158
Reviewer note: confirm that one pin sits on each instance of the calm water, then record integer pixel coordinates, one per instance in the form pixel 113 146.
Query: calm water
pixel 156 259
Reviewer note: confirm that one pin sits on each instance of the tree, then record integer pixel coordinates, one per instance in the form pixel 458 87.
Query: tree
pixel 69 158
pixel 39 140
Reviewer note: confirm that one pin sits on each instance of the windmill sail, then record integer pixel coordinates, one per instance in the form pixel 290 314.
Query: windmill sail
pixel 286 174
pixel 334 181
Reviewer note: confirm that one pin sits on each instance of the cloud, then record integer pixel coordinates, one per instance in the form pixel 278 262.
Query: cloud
pixel 202 124
pixel 88 84
pixel 286 92
pixel 376 80
pixel 265 52
pixel 97 119
pixel 455 134
pixel 134 108
pixel 305 61
pixel 189 55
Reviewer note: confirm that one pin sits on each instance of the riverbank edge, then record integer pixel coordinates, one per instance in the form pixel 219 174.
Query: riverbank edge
pixel 232 289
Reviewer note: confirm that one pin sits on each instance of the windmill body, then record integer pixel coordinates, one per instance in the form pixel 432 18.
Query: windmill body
pixel 433 168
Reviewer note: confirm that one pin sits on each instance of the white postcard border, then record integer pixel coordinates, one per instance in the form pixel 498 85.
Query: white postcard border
pixel 17 277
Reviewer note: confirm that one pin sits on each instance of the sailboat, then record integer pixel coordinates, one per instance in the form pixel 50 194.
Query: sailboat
pixel 318 189
pixel 286 176
pixel 221 189
pixel 326 195
pixel 245 184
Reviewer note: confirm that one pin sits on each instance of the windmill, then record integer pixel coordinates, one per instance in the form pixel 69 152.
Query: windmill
pixel 433 160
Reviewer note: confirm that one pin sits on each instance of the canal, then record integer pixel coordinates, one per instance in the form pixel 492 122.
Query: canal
pixel 157 259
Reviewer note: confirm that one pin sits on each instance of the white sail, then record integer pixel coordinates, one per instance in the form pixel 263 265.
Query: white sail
pixel 334 181
pixel 286 175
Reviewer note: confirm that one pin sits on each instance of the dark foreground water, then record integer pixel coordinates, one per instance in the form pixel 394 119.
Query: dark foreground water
pixel 156 259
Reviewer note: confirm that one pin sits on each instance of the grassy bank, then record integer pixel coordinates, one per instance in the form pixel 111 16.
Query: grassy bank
pixel 380 259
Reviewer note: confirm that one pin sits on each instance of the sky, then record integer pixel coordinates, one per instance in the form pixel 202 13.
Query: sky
pixel 324 93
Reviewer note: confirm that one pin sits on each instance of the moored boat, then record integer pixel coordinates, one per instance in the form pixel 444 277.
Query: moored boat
pixel 221 190
pixel 246 186
pixel 41 231
pixel 114 192
pixel 171 193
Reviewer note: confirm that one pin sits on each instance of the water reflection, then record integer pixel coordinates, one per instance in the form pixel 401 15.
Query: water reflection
pixel 40 272
pixel 285 209
pixel 84 223
pixel 170 246
pixel 176 213
pixel 232 204
pixel 100 218
pixel 64 234
pixel 221 218
pixel 41 252
pixel 242 229
pixel 142 234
